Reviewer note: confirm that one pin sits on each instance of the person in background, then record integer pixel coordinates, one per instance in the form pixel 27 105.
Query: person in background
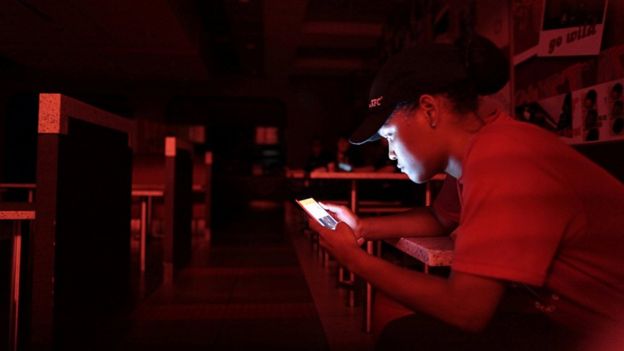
pixel 371 158
pixel 319 158
pixel 526 211
pixel 347 158
pixel 344 158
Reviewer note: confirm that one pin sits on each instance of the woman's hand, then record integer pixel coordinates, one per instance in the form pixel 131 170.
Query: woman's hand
pixel 341 242
pixel 344 214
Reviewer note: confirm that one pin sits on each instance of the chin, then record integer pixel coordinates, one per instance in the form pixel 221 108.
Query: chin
pixel 416 178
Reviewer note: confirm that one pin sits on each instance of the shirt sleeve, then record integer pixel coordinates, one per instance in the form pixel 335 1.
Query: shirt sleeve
pixel 515 212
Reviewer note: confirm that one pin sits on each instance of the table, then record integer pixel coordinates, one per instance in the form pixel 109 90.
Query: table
pixel 18 214
pixel 147 193
pixel 26 186
pixel 432 251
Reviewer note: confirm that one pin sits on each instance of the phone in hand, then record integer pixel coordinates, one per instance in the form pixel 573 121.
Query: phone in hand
pixel 315 210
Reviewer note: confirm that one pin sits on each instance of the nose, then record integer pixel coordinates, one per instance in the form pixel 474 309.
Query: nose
pixel 391 155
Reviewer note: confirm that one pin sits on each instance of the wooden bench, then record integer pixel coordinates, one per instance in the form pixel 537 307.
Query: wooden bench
pixel 27 188
pixel 170 176
pixel 148 176
pixel 80 249
pixel 202 211
pixel 19 215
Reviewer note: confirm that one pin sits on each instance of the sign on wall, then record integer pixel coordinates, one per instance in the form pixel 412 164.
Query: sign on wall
pixel 572 27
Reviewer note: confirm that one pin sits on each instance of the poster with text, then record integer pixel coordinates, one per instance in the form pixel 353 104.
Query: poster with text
pixel 572 27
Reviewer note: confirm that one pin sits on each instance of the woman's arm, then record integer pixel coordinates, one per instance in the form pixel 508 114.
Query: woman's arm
pixel 464 300
pixel 422 221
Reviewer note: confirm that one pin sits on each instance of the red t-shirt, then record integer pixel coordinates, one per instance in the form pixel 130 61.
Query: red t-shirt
pixel 536 212
pixel 446 203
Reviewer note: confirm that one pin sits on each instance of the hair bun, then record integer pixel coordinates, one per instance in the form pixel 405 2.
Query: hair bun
pixel 487 65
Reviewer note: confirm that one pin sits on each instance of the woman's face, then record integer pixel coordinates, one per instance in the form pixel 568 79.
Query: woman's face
pixel 411 142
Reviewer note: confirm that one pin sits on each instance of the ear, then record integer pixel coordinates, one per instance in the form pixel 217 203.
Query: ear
pixel 430 107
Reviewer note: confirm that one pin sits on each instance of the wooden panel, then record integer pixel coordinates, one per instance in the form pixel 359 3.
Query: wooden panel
pixel 80 252
pixel 178 212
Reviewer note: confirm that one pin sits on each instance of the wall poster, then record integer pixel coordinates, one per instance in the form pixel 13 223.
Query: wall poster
pixel 572 27
pixel 591 114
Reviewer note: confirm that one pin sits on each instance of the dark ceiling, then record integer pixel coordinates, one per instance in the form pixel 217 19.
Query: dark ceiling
pixel 172 44
pixel 186 60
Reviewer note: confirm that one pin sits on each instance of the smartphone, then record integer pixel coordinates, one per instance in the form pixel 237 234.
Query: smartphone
pixel 315 210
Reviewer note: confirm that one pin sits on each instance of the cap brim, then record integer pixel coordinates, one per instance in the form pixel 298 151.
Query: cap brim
pixel 367 131
pixel 371 138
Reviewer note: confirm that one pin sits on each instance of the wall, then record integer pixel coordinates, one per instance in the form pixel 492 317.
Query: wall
pixel 324 108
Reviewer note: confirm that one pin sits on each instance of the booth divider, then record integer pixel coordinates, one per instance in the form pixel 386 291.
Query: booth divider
pixel 80 252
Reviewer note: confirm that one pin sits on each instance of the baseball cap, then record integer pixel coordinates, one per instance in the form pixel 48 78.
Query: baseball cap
pixel 431 68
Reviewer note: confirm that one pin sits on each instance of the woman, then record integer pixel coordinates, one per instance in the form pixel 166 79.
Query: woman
pixel 526 210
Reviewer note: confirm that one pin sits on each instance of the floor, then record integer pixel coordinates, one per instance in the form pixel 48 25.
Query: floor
pixel 258 284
